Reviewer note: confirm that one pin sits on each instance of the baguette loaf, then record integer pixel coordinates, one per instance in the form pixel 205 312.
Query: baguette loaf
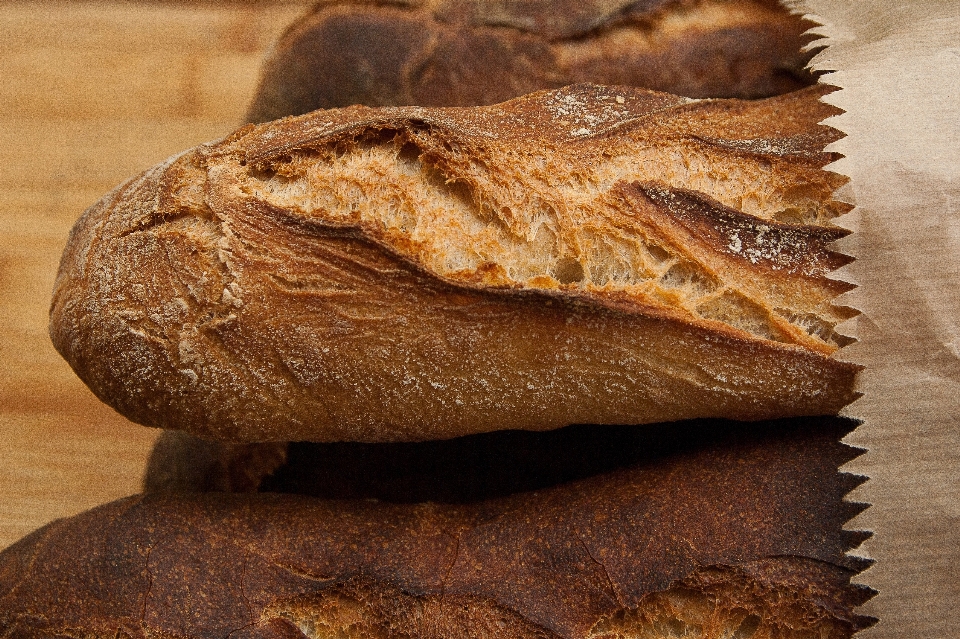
pixel 740 537
pixel 476 52
pixel 592 255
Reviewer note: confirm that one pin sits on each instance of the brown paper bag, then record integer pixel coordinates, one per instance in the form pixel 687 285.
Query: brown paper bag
pixel 898 65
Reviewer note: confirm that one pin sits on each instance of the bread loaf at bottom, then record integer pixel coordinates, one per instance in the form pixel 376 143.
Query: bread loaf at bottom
pixel 740 535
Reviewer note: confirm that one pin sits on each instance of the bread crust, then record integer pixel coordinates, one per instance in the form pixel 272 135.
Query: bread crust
pixel 742 528
pixel 466 53
pixel 286 283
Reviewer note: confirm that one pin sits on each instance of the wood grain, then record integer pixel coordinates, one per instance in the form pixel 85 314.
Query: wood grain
pixel 93 92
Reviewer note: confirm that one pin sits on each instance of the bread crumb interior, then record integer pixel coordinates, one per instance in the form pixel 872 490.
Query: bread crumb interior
pixel 559 226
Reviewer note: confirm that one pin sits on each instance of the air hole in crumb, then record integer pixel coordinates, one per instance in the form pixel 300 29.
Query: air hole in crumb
pixel 409 153
pixel 813 325
pixel 456 189
pixel 657 253
pixel 802 205
pixel 748 628
pixel 741 312
pixel 460 191
pixel 568 270
pixel 794 215
pixel 376 137
pixel 687 276
pixel 263 173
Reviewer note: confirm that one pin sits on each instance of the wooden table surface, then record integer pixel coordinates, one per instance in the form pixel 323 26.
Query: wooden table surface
pixel 93 93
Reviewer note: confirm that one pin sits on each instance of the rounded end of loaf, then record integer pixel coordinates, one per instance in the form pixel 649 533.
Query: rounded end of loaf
pixel 108 298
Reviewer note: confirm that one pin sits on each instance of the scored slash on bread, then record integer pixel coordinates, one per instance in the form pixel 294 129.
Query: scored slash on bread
pixel 592 254
pixel 722 532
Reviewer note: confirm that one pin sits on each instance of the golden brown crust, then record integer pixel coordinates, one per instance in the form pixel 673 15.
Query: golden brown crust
pixel 747 527
pixel 472 52
pixel 410 274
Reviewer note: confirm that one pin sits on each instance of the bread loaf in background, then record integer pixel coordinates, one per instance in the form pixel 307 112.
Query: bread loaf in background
pixel 587 255
pixel 475 52
pixel 734 534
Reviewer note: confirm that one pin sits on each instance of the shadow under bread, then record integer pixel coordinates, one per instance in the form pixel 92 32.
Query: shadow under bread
pixel 489 465
pixel 797 458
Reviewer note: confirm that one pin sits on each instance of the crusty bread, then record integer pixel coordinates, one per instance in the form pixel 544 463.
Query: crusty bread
pixel 592 255
pixel 474 52
pixel 738 537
